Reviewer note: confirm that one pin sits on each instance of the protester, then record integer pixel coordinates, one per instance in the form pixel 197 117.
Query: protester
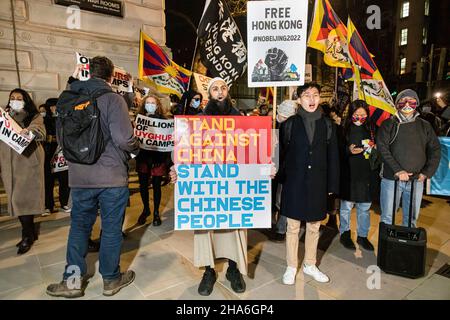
pixel 285 110
pixel 103 184
pixel 211 244
pixel 410 150
pixel 151 164
pixel 23 174
pixel 356 175
pixel 50 146
pixel 443 111
pixel 190 104
pixel 309 170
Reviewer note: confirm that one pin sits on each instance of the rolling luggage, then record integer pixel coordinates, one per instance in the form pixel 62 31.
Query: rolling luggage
pixel 402 250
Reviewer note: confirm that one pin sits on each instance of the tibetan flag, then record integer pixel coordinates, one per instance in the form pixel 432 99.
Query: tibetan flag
pixel 157 70
pixel 329 35
pixel 370 83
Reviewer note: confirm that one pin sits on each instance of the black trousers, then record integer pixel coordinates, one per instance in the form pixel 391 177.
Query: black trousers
pixel 28 228
pixel 143 188
pixel 63 180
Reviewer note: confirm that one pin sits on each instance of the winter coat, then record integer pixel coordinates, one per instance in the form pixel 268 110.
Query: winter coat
pixel 356 175
pixel 312 170
pixel 111 169
pixel 23 174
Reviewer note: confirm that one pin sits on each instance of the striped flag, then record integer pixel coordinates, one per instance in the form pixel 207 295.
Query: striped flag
pixel 158 70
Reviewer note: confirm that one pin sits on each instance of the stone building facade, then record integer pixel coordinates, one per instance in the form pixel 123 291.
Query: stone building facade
pixel 46 46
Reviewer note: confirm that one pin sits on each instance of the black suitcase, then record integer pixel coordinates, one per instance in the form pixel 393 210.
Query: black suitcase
pixel 402 250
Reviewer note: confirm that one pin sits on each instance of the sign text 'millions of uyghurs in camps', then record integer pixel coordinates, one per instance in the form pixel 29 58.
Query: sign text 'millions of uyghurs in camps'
pixel 223 166
pixel 10 133
pixel 154 134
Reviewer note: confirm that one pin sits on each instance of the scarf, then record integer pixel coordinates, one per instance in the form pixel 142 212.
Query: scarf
pixel 309 120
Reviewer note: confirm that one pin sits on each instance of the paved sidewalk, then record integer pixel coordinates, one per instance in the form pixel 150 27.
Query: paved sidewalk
pixel 163 259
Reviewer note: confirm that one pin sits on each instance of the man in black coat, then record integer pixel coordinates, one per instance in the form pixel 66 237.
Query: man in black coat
pixel 310 158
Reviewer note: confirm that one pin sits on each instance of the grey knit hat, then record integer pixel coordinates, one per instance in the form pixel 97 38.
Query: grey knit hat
pixel 407 93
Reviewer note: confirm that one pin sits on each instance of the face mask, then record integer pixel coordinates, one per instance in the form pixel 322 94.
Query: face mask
pixel 43 114
pixel 16 105
pixel 408 110
pixel 196 103
pixel 150 108
pixel 358 120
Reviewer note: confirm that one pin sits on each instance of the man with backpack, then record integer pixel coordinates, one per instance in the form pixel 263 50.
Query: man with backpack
pixel 410 152
pixel 309 172
pixel 95 133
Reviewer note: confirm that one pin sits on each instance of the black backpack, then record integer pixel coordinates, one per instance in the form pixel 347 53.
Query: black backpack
pixel 78 126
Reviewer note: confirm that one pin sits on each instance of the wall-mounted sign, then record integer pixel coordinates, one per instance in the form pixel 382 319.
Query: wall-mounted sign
pixel 111 7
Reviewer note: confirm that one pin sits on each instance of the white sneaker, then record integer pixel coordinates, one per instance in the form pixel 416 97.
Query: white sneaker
pixel 46 213
pixel 314 272
pixel 67 209
pixel 289 275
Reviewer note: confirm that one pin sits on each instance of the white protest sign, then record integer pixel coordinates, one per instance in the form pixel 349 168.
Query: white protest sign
pixel 202 86
pixel 10 133
pixel 276 42
pixel 154 134
pixel 58 163
pixel 121 82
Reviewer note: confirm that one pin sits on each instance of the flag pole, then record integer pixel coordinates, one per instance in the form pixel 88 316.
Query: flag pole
pixel 274 108
pixel 192 68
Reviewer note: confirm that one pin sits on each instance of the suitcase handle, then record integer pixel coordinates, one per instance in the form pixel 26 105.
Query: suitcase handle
pixel 413 180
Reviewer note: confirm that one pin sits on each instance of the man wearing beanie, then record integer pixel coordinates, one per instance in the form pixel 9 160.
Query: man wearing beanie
pixel 410 150
pixel 212 244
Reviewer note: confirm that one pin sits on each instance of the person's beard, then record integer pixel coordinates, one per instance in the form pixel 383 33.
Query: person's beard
pixel 220 107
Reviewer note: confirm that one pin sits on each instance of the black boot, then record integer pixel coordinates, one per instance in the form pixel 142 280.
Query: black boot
pixel 365 243
pixel 156 219
pixel 143 217
pixel 346 240
pixel 235 277
pixel 25 245
pixel 207 284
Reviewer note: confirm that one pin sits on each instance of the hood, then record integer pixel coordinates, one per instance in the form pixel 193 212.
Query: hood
pixel 90 86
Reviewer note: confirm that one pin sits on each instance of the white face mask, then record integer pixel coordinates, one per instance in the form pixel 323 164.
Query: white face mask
pixel 150 108
pixel 43 114
pixel 357 123
pixel 16 105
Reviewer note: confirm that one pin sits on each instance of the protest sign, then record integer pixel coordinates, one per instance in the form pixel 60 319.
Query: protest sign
pixel 121 82
pixel 439 184
pixel 202 86
pixel 276 43
pixel 58 163
pixel 223 166
pixel 10 133
pixel 154 134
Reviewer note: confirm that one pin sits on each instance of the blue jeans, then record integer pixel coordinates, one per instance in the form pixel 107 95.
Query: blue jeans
pixel 404 191
pixel 112 203
pixel 362 217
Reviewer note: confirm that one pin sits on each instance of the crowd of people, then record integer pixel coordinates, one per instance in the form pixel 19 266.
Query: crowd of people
pixel 324 157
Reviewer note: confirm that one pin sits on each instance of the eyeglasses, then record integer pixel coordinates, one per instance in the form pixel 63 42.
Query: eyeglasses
pixel 359 118
pixel 411 102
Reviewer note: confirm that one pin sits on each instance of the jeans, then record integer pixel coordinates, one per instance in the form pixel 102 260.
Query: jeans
pixel 112 203
pixel 404 191
pixel 362 216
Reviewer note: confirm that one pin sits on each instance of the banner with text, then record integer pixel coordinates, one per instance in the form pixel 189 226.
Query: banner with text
pixel 121 83
pixel 439 184
pixel 202 86
pixel 10 133
pixel 154 134
pixel 223 165
pixel 276 43
pixel 58 163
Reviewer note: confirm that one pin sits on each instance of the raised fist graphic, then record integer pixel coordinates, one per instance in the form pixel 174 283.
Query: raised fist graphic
pixel 276 60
